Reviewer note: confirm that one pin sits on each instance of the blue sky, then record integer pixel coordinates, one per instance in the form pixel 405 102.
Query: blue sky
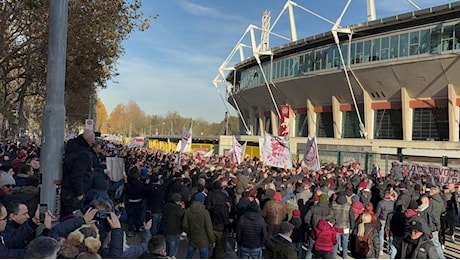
pixel 171 66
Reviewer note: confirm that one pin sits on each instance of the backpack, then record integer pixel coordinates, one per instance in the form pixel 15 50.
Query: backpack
pixel 363 245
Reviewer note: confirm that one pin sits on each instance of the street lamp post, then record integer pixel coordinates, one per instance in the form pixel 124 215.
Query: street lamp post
pixel 162 126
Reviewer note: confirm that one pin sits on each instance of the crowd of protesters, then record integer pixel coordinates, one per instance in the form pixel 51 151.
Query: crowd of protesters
pixel 222 209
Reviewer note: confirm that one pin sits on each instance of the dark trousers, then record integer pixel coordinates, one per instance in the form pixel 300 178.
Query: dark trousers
pixel 323 254
pixel 134 210
pixel 69 203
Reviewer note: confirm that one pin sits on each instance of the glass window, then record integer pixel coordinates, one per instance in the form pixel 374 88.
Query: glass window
pixel 385 48
pixel 268 124
pixel 302 64
pixel 388 124
pixel 301 123
pixel 414 42
pixel 318 56
pixel 350 125
pixel 324 126
pixel 447 37
pixel 353 53
pixel 403 44
pixel 344 49
pixel 359 52
pixel 435 40
pixel 457 36
pixel 425 41
pixel 431 124
pixel 394 46
pixel 324 59
pixel 330 57
pixel 367 51
pixel 375 46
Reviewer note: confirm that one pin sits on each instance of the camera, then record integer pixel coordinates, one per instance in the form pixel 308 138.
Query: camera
pixel 101 215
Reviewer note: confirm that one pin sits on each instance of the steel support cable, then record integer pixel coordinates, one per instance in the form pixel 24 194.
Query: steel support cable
pixel 335 30
pixel 268 86
pixel 238 107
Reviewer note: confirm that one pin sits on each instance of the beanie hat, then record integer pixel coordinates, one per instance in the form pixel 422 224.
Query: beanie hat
pixel 355 198
pixel 253 192
pixel 199 197
pixel 277 196
pixel 176 197
pixel 296 213
pixel 6 179
pixel 323 198
pixel 286 227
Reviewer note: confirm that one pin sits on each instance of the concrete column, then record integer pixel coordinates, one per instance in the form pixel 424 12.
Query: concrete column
pixel 311 117
pixel 407 115
pixel 252 120
pixel 336 117
pixel 453 113
pixel 261 121
pixel 275 122
pixel 368 115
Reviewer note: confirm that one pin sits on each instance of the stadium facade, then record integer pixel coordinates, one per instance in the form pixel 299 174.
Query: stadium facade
pixel 387 86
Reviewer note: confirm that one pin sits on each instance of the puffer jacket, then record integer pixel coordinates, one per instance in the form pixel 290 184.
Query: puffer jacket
pixel 197 223
pixel 251 230
pixel 325 236
pixel 274 212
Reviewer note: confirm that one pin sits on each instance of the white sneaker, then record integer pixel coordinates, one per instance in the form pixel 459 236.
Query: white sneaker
pixel 452 238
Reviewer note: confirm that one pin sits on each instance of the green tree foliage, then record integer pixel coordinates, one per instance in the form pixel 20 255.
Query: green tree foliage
pixel 96 30
pixel 131 120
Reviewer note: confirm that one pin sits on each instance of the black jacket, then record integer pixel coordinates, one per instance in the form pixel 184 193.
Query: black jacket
pixel 76 177
pixel 251 230
pixel 216 205
pixel 173 215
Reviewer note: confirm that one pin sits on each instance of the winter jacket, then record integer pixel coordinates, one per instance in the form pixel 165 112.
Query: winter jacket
pixel 216 204
pixel 358 209
pixel 383 208
pixel 155 195
pixel 18 236
pixel 343 215
pixel 279 247
pixel 374 240
pixel 319 211
pixel 173 215
pixel 76 177
pixel 136 250
pixel 424 249
pixel 115 249
pixel 274 212
pixel 251 230
pixel 298 233
pixel 197 223
pixel 403 199
pixel 6 253
pixel 325 236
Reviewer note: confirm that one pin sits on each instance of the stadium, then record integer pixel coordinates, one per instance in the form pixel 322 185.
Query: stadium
pixel 388 87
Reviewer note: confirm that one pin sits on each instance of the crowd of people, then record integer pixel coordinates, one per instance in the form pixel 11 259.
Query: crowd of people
pixel 222 209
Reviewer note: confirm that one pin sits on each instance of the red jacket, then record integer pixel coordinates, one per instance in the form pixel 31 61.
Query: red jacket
pixel 325 236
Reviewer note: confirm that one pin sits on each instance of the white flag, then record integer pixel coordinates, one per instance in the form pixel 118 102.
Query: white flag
pixel 261 149
pixel 186 141
pixel 311 158
pixel 238 150
pixel 276 151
